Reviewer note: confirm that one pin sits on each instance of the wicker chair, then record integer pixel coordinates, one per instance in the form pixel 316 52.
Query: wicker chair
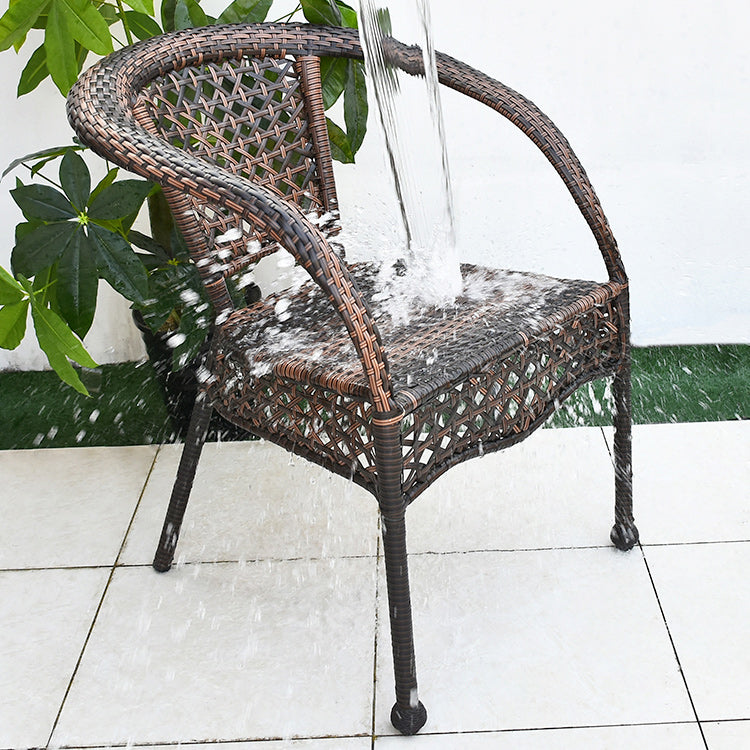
pixel 229 120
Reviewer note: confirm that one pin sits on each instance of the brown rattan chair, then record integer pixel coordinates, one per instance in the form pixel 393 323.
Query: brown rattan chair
pixel 229 120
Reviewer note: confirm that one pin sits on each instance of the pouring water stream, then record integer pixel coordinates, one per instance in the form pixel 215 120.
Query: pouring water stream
pixel 411 118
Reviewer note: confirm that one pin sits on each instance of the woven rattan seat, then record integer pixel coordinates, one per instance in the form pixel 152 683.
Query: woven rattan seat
pixel 229 120
pixel 306 354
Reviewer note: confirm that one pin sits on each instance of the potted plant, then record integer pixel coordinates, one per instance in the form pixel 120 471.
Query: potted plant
pixel 75 233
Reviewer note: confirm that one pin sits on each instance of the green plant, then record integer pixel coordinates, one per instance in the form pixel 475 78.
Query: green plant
pixel 72 235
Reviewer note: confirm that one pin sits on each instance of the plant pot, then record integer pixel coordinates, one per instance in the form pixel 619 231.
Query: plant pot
pixel 181 387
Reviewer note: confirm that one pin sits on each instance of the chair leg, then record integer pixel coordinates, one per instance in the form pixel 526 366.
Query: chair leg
pixel 408 714
pixel 624 534
pixel 191 452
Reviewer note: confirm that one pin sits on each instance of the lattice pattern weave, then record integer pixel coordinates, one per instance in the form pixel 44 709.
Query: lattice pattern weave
pixel 248 117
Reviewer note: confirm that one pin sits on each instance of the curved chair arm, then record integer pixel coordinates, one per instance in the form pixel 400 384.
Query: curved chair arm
pixel 526 116
pixel 100 108
pixel 100 112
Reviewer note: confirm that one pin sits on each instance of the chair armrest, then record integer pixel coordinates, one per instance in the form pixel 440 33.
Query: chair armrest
pixel 526 116
pixel 99 111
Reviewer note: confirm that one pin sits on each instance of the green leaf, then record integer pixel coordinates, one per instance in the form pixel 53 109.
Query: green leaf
pixel 109 13
pixel 60 344
pixel 105 182
pixel 333 78
pixel 45 287
pixel 40 23
pixel 245 11
pixel 34 72
pixel 355 105
pixel 42 247
pixel 18 19
pixel 42 202
pixel 188 14
pixel 120 199
pixel 60 49
pixel 322 12
pixel 341 149
pixel 160 219
pixel 146 7
pixel 118 264
pixel 86 25
pixel 77 285
pixel 194 327
pixel 10 290
pixel 81 54
pixel 44 156
pixel 348 15
pixel 167 14
pixel 143 26
pixel 75 180
pixel 13 324
pixel 164 285
pixel 26 227
pixel 150 245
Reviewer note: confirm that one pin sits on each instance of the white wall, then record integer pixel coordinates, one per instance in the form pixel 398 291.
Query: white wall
pixel 653 97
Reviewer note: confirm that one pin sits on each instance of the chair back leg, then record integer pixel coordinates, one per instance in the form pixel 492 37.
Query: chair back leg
pixel 191 452
pixel 624 534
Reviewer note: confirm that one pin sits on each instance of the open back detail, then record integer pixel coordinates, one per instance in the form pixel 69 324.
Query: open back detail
pixel 256 118
pixel 230 121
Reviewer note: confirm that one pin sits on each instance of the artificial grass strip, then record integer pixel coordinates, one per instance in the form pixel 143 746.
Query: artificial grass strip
pixel 670 384
pixel 126 407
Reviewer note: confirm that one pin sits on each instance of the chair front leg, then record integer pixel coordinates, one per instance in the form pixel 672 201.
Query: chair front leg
pixel 191 452
pixel 408 714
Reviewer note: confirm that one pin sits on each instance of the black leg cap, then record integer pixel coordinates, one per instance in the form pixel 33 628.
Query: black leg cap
pixel 624 536
pixel 161 565
pixel 408 720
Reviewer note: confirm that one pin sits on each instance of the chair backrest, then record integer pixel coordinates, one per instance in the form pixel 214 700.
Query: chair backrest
pixel 261 118
pixel 247 98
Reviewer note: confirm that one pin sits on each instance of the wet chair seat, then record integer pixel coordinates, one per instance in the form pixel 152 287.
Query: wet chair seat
pixel 229 120
pixel 487 370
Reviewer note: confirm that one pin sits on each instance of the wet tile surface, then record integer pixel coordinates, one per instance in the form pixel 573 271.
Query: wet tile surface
pixel 691 482
pixel 654 737
pixel 253 500
pixel 531 631
pixel 704 591
pixel 68 506
pixel 226 651
pixel 532 639
pixel 553 490
pixel 46 615
pixel 318 743
pixel 727 735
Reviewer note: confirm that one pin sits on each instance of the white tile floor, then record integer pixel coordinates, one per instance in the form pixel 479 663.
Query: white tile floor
pixel 532 632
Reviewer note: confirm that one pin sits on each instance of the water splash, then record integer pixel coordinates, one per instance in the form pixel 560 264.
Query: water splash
pixel 411 118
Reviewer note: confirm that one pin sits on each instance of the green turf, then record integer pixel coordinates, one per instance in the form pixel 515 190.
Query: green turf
pixel 670 384
pixel 38 410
